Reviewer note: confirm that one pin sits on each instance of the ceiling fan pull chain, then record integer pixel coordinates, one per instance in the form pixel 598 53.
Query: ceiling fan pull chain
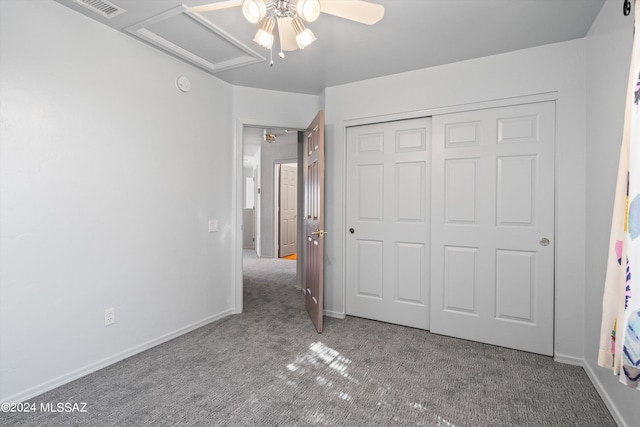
pixel 281 53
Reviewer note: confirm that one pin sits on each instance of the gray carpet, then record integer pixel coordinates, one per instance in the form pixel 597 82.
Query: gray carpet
pixel 268 367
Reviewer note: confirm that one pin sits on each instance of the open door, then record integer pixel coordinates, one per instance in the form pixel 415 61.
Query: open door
pixel 314 218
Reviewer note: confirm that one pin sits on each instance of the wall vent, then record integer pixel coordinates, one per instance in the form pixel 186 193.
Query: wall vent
pixel 102 7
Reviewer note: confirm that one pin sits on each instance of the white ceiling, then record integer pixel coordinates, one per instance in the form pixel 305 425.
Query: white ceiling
pixel 413 34
pixel 253 139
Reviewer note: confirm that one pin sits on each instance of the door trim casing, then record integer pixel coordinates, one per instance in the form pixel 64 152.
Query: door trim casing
pixel 458 108
pixel 236 283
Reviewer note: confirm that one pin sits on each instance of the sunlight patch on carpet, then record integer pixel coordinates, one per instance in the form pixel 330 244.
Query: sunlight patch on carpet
pixel 320 355
pixel 336 375
pixel 441 422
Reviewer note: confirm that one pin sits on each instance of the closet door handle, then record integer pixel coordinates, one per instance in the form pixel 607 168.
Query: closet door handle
pixel 351 230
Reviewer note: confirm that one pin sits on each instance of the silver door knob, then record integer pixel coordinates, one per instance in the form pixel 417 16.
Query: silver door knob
pixel 544 241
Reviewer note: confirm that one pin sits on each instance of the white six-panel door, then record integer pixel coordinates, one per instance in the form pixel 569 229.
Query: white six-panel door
pixel 288 210
pixel 388 220
pixel 492 276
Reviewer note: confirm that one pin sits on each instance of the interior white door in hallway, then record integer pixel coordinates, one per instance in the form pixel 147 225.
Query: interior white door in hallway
pixel 388 219
pixel 493 226
pixel 287 210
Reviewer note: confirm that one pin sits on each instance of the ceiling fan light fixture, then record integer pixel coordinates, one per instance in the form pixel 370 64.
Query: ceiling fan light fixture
pixel 254 10
pixel 309 10
pixel 264 36
pixel 304 36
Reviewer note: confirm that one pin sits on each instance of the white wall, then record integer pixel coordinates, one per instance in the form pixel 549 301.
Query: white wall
pixel 258 214
pixel 608 57
pixel 272 108
pixel 108 177
pixel 552 68
pixel 248 189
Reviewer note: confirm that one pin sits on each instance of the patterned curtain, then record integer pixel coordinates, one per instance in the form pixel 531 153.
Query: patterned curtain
pixel 620 331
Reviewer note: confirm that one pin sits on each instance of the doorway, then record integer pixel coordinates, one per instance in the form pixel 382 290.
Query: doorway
pixel 286 215
pixel 266 149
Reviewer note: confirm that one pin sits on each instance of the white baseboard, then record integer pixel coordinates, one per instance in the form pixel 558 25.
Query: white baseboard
pixel 613 409
pixel 335 314
pixel 569 360
pixel 611 406
pixel 92 367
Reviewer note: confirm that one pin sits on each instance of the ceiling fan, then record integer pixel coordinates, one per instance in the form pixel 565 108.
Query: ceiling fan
pixel 290 16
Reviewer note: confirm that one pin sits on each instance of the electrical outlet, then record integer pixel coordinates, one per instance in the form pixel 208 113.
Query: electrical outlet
pixel 109 316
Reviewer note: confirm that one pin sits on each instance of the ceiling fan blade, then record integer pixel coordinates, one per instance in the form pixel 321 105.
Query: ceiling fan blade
pixel 354 10
pixel 215 6
pixel 287 35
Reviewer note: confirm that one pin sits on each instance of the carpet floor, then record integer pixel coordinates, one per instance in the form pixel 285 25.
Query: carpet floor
pixel 268 367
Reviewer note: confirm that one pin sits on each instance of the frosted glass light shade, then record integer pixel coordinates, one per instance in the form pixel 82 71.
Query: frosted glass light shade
pixel 264 39
pixel 305 38
pixel 264 36
pixel 254 10
pixel 309 10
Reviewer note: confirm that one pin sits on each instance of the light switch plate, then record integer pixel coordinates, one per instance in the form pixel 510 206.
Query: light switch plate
pixel 109 316
pixel 213 225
